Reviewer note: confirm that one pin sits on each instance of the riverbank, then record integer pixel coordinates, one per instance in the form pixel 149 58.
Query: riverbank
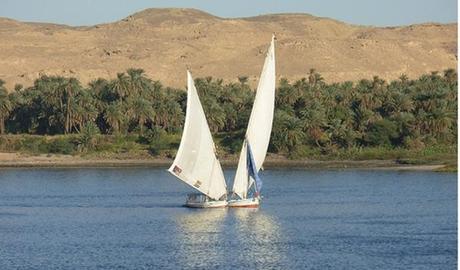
pixel 272 161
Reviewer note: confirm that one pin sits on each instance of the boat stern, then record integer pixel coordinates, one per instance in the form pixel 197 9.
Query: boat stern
pixel 203 201
pixel 245 203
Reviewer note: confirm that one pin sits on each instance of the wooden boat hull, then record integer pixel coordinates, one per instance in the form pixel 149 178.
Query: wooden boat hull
pixel 245 203
pixel 210 204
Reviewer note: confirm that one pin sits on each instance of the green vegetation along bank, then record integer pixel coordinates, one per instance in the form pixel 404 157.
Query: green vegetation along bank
pixel 409 120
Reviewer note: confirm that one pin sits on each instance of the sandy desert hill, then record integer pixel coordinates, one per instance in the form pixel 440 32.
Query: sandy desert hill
pixel 165 41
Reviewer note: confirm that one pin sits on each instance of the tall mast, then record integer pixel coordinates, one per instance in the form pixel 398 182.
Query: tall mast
pixel 260 123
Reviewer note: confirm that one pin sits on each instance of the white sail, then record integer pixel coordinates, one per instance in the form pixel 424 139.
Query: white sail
pixel 260 124
pixel 196 163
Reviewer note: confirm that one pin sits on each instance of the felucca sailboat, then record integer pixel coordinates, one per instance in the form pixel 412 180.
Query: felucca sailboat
pixel 247 183
pixel 196 163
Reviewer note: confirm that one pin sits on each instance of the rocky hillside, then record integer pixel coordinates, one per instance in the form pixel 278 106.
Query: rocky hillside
pixel 165 41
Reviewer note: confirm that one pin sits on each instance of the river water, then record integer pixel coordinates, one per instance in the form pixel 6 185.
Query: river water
pixel 310 219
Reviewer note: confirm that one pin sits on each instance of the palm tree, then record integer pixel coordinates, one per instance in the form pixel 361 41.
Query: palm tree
pixel 293 133
pixel 87 137
pixel 450 75
pixel 142 111
pixel 287 94
pixel 98 86
pixel 161 118
pixel 362 118
pixel 85 109
pixel 378 83
pixel 231 116
pixel 114 116
pixel 50 99
pixel 340 133
pixel 243 79
pixel 439 121
pixel 287 131
pixel 138 83
pixel 397 103
pixel 71 89
pixel 175 116
pixel 314 78
pixel 18 87
pixel 214 114
pixel 311 76
pixel 404 78
pixel 314 121
pixel 5 106
pixel 406 124
pixel 121 85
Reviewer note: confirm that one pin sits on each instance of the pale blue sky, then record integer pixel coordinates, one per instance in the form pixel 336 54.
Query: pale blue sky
pixel 365 12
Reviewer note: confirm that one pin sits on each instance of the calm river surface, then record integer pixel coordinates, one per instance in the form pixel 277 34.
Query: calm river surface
pixel 310 219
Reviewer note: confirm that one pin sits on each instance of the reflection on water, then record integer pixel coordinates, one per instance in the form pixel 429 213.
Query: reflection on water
pixel 249 235
pixel 258 234
pixel 199 237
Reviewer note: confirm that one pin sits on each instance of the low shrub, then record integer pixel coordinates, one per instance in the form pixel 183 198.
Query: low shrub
pixel 61 145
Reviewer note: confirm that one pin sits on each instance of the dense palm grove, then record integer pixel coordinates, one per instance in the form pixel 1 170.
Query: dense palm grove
pixel 310 114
